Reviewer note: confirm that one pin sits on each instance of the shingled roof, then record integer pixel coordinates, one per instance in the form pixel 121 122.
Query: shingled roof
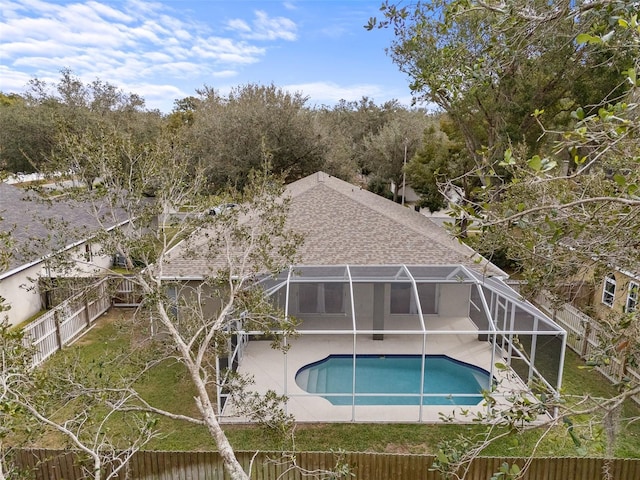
pixel 344 224
pixel 39 227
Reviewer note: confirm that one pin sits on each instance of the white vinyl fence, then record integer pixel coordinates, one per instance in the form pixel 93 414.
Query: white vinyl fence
pixel 66 322
pixel 584 336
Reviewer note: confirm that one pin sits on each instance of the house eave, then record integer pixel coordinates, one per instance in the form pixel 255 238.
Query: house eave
pixel 71 246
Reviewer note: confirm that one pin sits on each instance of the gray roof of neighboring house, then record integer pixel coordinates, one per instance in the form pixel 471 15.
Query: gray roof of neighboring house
pixel 344 224
pixel 39 227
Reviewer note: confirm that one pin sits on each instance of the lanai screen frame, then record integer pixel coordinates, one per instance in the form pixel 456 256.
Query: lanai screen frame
pixel 495 288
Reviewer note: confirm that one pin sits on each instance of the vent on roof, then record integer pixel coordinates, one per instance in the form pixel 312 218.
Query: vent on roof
pixel 320 177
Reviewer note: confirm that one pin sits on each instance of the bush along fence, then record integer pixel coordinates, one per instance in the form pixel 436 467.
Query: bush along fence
pixel 66 322
pixel 157 465
pixel 584 336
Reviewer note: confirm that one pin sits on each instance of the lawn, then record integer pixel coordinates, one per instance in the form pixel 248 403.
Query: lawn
pixel 168 386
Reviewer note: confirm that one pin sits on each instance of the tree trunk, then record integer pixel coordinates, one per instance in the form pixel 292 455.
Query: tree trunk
pixel 463 226
pixel 231 464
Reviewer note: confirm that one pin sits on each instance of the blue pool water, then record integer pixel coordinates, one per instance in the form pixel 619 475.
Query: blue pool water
pixel 394 380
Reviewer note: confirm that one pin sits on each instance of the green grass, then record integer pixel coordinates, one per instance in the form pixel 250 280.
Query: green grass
pixel 168 386
pixel 26 322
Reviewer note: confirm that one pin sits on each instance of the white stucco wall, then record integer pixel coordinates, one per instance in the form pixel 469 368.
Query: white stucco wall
pixel 20 290
pixel 454 300
pixel 21 295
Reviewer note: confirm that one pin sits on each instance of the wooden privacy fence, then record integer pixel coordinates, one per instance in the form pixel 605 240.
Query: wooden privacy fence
pixel 63 465
pixel 584 336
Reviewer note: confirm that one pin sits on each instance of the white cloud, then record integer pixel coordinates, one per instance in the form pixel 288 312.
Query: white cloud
pixel 106 11
pixel 131 42
pixel 329 93
pixel 161 50
pixel 239 25
pixel 224 73
pixel 12 80
pixel 159 97
pixel 264 27
pixel 332 92
pixel 158 57
pixel 227 50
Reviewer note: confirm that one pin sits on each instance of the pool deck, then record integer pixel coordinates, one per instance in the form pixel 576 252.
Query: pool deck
pixel 272 370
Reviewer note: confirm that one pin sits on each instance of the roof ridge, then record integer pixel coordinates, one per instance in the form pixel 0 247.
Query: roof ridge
pixel 382 206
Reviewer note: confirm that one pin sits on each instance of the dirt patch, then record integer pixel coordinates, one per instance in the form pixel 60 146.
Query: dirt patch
pixel 404 448
pixel 109 317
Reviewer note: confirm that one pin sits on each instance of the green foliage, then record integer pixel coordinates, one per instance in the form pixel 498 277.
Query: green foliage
pixel 30 123
pixel 561 199
pixel 387 152
pixel 380 186
pixel 441 158
pixel 229 135
pixel 507 472
pixel 497 71
pixel 26 134
pixel 449 456
pixel 347 127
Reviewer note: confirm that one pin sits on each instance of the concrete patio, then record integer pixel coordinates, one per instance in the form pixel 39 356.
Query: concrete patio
pixel 273 370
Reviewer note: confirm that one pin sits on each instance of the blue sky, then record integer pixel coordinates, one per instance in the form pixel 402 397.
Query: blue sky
pixel 165 49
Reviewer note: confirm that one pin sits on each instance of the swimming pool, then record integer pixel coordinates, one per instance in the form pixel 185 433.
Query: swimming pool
pixel 394 380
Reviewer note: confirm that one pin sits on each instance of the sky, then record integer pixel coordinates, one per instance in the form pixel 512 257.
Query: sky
pixel 164 50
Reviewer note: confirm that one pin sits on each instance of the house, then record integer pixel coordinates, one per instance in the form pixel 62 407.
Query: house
pixel 407 195
pixel 617 292
pixel 602 291
pixel 378 282
pixel 39 229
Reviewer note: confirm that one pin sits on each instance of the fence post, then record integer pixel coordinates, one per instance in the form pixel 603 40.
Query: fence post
pixel 585 341
pixel 87 317
pixel 56 321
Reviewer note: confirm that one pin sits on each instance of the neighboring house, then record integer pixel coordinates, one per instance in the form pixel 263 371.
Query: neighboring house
pixel 618 292
pixel 39 229
pixel 406 195
pixel 377 279
pixel 601 292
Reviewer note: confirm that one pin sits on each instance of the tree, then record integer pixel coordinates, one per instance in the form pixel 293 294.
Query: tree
pixel 573 207
pixel 165 202
pixel 26 134
pixel 31 123
pixel 563 199
pixel 230 134
pixel 387 152
pixel 489 71
pixel 347 126
pixel 442 157
pixel 32 401
pixel 183 113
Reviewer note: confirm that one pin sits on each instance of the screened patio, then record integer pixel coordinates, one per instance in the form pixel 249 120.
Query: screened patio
pixel 401 318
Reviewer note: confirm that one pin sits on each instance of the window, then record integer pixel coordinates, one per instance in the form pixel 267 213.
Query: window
pixel 172 300
pixel 321 298
pixel 609 290
pixel 632 297
pixel 403 301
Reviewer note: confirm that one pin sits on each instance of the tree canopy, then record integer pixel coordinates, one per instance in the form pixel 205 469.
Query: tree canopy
pixel 544 96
